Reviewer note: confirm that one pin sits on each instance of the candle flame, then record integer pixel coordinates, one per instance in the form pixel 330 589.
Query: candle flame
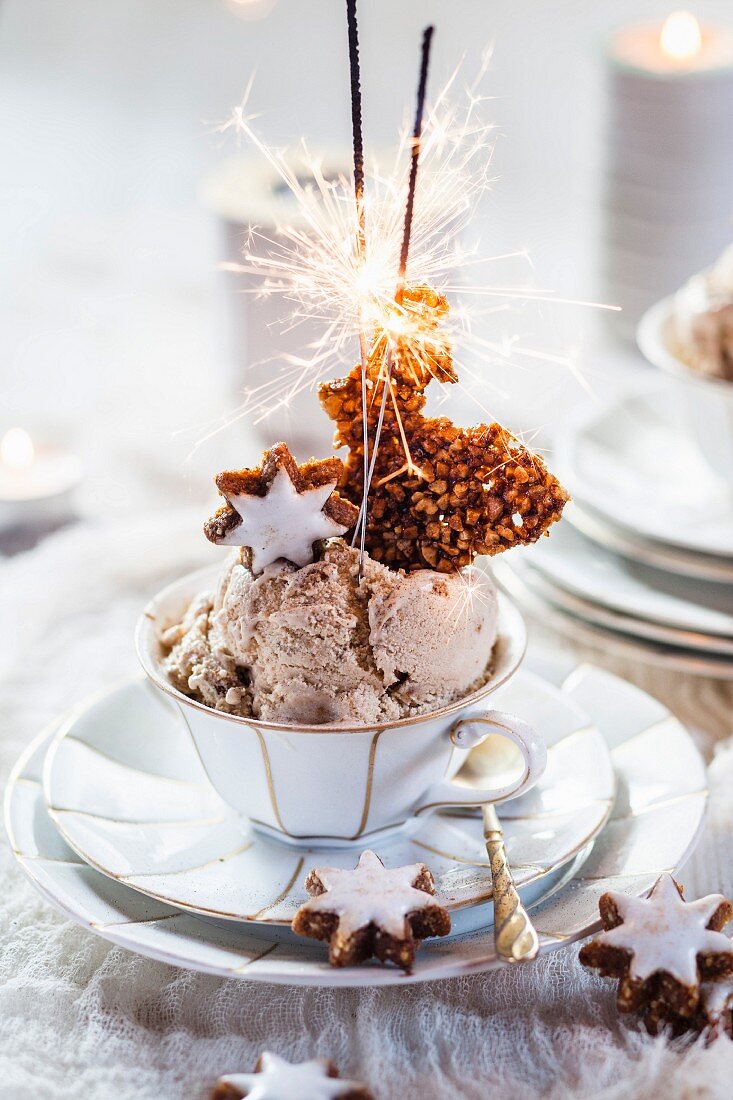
pixel 16 449
pixel 680 38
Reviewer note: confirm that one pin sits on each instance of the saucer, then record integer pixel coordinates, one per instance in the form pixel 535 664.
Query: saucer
pixel 636 464
pixel 574 563
pixel 126 789
pixel 656 821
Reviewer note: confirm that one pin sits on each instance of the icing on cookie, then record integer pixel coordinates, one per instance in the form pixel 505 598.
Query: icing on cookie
pixel 371 894
pixel 283 524
pixel 281 1080
pixel 715 998
pixel 664 932
pixel 279 509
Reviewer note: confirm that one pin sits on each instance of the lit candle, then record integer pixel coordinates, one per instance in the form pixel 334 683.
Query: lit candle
pixel 680 47
pixel 669 160
pixel 680 42
pixel 36 483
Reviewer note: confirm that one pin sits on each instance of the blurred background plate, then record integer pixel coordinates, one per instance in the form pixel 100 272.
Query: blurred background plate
pixel 625 622
pixel 632 546
pixel 634 462
pixel 577 564
pixel 580 632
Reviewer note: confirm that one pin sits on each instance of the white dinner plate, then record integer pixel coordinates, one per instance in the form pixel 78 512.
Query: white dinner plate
pixel 576 564
pixel 126 788
pixel 694 662
pixel 656 821
pixel 598 615
pixel 636 463
pixel 634 548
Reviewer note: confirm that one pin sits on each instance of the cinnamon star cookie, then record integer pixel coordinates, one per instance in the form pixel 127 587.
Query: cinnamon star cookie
pixel 661 948
pixel 276 1079
pixel 371 910
pixel 280 509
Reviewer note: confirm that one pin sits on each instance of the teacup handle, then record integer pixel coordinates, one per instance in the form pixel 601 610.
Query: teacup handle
pixel 470 731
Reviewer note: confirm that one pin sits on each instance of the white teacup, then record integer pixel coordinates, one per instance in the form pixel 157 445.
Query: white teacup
pixel 706 404
pixel 336 784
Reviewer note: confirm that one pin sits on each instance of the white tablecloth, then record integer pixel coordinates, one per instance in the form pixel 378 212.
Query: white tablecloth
pixel 80 1018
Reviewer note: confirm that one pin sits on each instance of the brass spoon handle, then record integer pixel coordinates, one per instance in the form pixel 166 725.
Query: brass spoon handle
pixel 515 938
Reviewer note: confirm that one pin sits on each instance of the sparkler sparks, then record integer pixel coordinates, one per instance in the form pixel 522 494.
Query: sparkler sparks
pixel 239 120
pixel 325 272
pixel 477 594
pixel 316 269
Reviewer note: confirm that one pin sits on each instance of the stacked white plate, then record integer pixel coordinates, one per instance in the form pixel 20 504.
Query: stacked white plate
pixel 643 560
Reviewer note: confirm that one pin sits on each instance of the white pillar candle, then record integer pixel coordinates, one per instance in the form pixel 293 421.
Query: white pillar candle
pixel 668 202
pixel 246 193
pixel 36 482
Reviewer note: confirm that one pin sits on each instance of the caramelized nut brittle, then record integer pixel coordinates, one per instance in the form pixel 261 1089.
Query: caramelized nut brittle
pixel 462 492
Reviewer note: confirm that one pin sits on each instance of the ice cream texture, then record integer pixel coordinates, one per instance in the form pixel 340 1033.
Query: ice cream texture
pixel 317 644
pixel 703 319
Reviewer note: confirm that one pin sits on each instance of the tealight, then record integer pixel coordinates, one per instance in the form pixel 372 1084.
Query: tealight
pixel 37 482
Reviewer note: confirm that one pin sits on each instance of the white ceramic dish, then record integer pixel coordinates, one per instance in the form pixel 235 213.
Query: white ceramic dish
pixel 672 658
pixel 598 615
pixel 636 464
pixel 708 402
pixel 125 787
pixel 579 576
pixel 655 824
pixel 581 566
pixel 340 783
pixel 630 545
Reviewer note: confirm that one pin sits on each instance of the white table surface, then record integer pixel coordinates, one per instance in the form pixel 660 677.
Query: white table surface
pixel 113 337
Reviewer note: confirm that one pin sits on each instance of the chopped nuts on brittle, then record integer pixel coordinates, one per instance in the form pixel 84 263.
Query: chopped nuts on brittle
pixel 440 495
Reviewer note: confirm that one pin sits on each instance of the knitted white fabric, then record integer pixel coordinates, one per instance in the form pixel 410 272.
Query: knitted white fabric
pixel 79 1018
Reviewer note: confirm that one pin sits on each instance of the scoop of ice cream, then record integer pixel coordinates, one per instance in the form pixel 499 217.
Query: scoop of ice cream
pixel 432 633
pixel 303 636
pixel 703 319
pixel 198 668
pixel 320 644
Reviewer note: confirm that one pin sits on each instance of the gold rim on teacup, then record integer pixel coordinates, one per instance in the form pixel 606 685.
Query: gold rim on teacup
pixel 150 622
pixel 369 779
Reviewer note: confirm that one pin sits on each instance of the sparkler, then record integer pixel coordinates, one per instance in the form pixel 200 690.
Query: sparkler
pixel 361 522
pixel 328 273
pixel 358 143
pixel 414 162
